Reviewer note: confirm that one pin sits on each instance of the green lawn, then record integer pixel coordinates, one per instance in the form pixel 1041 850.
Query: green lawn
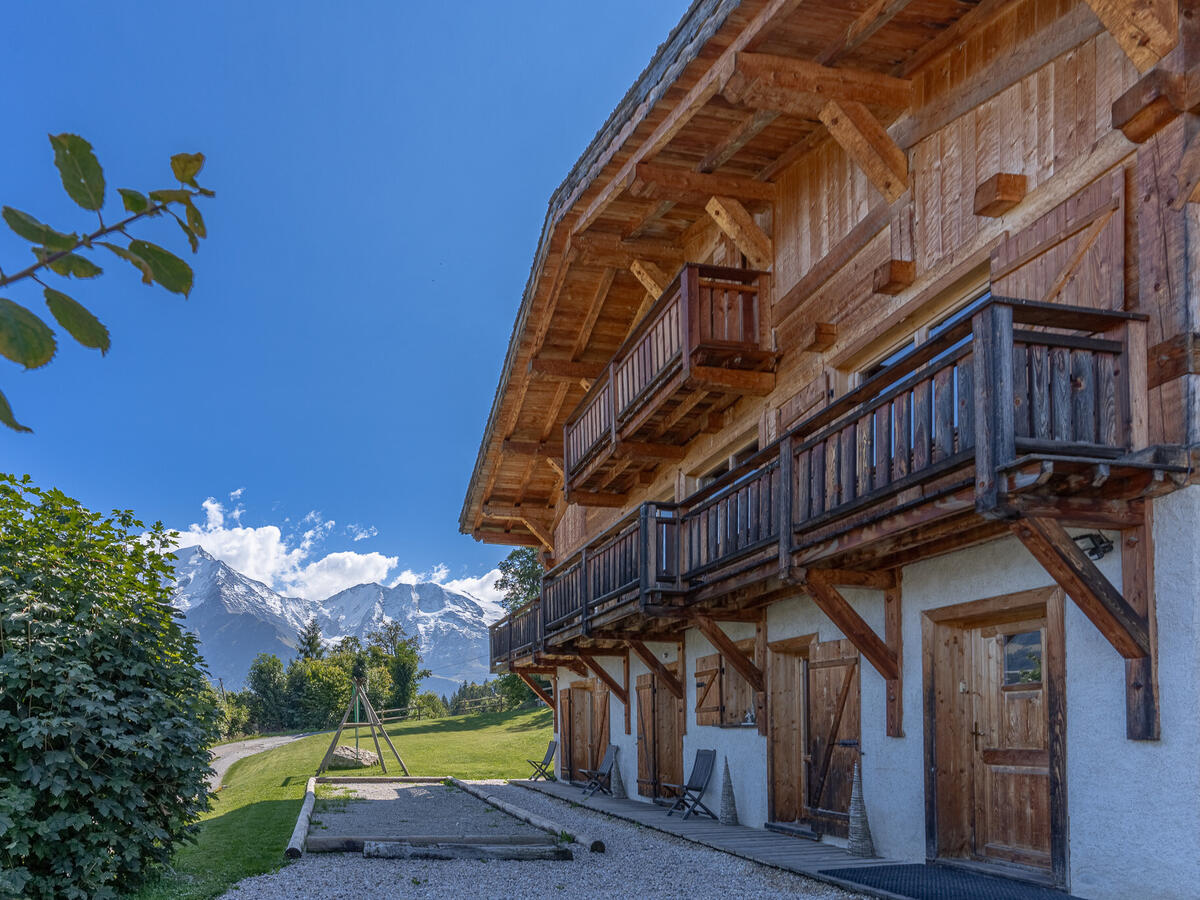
pixel 253 814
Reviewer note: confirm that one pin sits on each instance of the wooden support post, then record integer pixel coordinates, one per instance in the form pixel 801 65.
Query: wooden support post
pixel 537 689
pixel 1141 675
pixel 665 675
pixel 737 223
pixel 868 144
pixel 760 660
pixel 653 279
pixel 732 655
pixel 1071 568
pixel 625 665
pixel 852 625
pixel 995 440
pixel 892 636
pixel 611 683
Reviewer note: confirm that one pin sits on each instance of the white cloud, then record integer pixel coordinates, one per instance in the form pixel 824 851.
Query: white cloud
pixel 293 563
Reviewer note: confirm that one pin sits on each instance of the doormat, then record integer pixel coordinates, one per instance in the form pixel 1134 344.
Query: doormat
pixel 923 882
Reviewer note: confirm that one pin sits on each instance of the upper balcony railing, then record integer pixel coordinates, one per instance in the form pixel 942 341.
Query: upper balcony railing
pixel 1008 379
pixel 709 317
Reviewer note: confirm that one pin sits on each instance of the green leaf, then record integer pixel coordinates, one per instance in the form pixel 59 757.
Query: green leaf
pixel 78 322
pixel 24 338
pixel 171 195
pixel 187 166
pixel 134 201
pixel 168 269
pixel 141 264
pixel 196 221
pixel 81 173
pixel 70 265
pixel 187 230
pixel 31 229
pixel 7 417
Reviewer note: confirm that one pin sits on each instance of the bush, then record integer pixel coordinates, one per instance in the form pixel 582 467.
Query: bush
pixel 430 706
pixel 268 693
pixel 318 691
pixel 103 724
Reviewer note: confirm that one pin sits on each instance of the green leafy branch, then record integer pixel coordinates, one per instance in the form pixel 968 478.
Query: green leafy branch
pixel 25 338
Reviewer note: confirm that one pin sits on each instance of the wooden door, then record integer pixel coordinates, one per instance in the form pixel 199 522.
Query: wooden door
pixel 832 725
pixel 659 737
pixel 582 724
pixel 599 726
pixel 1010 752
pixel 786 738
pixel 566 757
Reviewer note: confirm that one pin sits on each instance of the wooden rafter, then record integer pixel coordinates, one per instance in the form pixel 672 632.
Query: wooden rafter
pixel 598 670
pixel 1146 30
pixel 862 29
pixel 613 251
pixel 1123 626
pixel 653 279
pixel 565 369
pixel 603 285
pixel 735 220
pixel 665 675
pixel 868 144
pixel 742 134
pixel 657 182
pixel 598 498
pixel 730 652
pixel 830 601
pixel 802 87
pixel 567 662
pixel 532 448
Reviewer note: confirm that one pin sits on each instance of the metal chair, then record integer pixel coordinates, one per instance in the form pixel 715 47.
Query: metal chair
pixel 690 793
pixel 600 779
pixel 542 769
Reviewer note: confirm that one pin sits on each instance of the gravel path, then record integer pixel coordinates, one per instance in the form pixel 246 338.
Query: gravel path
pixel 226 755
pixel 408 809
pixel 640 862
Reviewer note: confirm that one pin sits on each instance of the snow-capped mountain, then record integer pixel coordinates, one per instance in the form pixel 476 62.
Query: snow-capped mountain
pixel 236 618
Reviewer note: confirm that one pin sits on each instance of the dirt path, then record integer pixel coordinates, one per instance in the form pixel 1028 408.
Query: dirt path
pixel 227 754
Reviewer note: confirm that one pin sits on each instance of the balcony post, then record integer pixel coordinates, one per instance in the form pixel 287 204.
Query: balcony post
pixel 785 508
pixel 648 526
pixel 995 442
pixel 687 340
pixel 585 590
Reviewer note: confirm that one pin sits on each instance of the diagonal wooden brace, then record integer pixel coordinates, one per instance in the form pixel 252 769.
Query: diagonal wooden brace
pixel 599 671
pixel 665 675
pixel 852 625
pixel 732 655
pixel 1124 627
pixel 537 689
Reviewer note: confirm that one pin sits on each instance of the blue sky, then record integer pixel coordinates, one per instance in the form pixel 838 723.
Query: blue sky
pixel 382 171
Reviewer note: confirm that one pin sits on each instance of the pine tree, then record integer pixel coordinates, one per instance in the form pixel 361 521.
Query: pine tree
pixel 309 646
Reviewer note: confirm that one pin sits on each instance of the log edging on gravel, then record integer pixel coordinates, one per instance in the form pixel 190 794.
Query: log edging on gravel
pixel 595 845
pixel 381 779
pixel 295 847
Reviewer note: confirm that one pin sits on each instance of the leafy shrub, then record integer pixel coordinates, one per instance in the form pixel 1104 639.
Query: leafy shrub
pixel 103 724
pixel 318 691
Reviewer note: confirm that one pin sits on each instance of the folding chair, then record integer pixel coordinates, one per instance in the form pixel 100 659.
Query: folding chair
pixel 542 768
pixel 690 793
pixel 601 779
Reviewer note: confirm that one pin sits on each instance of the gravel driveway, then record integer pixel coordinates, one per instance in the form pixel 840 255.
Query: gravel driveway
pixel 639 862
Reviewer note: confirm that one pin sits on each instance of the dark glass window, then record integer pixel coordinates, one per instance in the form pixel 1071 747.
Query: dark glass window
pixel 1023 658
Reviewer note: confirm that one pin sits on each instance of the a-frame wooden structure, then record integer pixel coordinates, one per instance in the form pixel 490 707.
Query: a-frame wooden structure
pixel 359 694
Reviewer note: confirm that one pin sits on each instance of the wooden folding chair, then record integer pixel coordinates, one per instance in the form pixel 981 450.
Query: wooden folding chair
pixel 690 793
pixel 542 769
pixel 601 779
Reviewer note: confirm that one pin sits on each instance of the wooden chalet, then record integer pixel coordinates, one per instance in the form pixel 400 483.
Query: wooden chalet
pixel 851 401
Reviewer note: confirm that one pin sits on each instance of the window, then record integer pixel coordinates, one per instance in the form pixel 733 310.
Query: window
pixel 1023 658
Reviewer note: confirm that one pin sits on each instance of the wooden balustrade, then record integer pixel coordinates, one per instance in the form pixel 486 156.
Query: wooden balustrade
pixel 1014 378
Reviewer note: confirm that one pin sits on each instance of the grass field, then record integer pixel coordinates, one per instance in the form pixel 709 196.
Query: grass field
pixel 253 814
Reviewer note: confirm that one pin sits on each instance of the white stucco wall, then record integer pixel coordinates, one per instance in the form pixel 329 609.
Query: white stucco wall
pixel 1133 807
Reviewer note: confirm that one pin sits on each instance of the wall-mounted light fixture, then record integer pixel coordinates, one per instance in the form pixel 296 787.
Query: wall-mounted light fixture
pixel 1095 544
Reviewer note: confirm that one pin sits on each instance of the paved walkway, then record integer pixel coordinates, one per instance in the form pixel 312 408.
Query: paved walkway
pixel 792 854
pixel 225 755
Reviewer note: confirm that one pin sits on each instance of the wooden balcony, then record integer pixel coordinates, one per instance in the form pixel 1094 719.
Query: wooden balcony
pixel 1021 409
pixel 703 344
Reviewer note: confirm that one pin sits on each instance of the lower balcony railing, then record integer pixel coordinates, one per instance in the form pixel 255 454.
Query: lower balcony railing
pixel 1012 378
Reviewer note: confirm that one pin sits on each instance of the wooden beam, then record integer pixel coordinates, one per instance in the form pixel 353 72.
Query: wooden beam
pixel 566 662
pixel 800 87
pixel 665 675
pixel 1000 193
pixel 507 538
pixel 653 279
pixel 625 673
pixel 1146 30
pixel 552 449
pixel 1141 675
pixel 613 685
pixel 852 625
pixel 893 636
pixel 565 369
pixel 613 251
pixel 817 337
pixel 862 29
pixel 1189 176
pixel 598 498
pixel 894 276
pixel 649 451
pixel 658 182
pixel 1154 101
pixel 879 581
pixel 741 381
pixel 1071 568
pixel 868 144
pixel 537 689
pixel 737 223
pixel 732 655
pixel 494 510
pixel 742 134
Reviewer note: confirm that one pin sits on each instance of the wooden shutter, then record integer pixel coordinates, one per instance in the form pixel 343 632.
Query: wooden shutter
pixel 645 735
pixel 833 732
pixel 735 690
pixel 599 727
pixel 708 690
pixel 1074 254
pixel 564 734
